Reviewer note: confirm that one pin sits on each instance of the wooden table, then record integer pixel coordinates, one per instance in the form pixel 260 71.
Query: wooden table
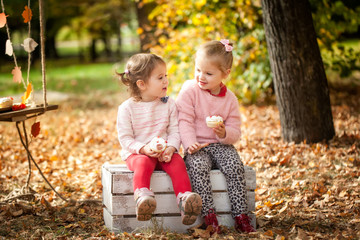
pixel 20 116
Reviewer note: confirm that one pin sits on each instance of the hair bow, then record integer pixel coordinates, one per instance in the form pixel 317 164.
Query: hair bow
pixel 227 45
pixel 126 71
pixel 164 99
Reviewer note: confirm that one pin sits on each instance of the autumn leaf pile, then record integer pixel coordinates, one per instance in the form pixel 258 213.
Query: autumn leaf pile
pixel 304 191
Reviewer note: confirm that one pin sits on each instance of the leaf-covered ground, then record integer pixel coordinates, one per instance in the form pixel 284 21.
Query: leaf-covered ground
pixel 304 191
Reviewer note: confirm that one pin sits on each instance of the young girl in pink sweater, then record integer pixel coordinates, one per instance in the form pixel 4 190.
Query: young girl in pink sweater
pixel 205 147
pixel 141 118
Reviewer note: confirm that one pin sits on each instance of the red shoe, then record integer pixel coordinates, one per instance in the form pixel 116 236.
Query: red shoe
pixel 242 224
pixel 211 220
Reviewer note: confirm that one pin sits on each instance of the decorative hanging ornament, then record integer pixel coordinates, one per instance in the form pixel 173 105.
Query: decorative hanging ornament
pixel 17 75
pixel 27 14
pixel 27 94
pixel 3 19
pixel 29 45
pixel 9 48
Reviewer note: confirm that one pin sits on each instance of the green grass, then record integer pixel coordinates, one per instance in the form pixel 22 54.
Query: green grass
pixel 64 77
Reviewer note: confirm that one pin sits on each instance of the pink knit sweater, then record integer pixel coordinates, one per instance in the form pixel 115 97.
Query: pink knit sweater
pixel 139 122
pixel 195 104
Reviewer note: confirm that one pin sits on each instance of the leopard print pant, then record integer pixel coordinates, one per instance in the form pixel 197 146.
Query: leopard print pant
pixel 225 158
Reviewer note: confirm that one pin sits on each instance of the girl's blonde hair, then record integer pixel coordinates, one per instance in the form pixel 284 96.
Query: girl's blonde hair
pixel 139 66
pixel 219 53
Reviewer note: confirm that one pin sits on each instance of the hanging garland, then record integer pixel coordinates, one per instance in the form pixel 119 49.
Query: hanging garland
pixel 29 46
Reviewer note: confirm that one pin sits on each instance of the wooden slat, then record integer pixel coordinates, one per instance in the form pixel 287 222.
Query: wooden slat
pixel 21 115
pixel 168 223
pixel 123 178
pixel 166 203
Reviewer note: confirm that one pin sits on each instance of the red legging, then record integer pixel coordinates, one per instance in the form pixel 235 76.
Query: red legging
pixel 143 167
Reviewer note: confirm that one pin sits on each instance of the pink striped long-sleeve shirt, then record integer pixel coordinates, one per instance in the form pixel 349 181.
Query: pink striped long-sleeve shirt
pixel 195 104
pixel 139 122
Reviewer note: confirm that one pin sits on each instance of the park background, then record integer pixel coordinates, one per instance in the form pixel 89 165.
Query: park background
pixel 87 41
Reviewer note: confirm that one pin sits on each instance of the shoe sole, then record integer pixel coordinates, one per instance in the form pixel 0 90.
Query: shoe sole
pixel 145 208
pixel 191 209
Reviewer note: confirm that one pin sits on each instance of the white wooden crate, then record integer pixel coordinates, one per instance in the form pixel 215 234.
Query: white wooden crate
pixel 118 199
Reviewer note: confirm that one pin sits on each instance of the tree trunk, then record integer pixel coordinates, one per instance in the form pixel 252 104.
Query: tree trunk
pixel 143 11
pixel 300 83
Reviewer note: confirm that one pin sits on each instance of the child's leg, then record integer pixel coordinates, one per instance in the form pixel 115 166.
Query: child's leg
pixel 229 163
pixel 143 167
pixel 177 171
pixel 189 203
pixel 199 166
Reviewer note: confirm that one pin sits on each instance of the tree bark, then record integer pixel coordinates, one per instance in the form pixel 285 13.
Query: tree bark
pixel 143 11
pixel 300 83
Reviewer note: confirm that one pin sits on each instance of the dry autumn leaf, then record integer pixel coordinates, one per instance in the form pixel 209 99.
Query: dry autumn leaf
pixel 27 14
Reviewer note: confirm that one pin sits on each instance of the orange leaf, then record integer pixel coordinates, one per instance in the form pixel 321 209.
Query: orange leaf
pixel 26 94
pixel 2 19
pixel 35 129
pixel 27 14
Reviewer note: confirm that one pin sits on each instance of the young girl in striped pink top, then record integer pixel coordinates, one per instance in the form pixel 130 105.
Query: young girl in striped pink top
pixel 147 114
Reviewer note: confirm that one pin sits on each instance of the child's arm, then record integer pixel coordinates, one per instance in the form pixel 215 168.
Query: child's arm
pixel 167 154
pixel 186 117
pixel 173 135
pixel 146 150
pixel 125 131
pixel 196 147
pixel 231 124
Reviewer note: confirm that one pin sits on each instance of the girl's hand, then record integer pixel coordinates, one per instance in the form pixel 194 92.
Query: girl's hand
pixel 220 131
pixel 146 150
pixel 167 154
pixel 196 147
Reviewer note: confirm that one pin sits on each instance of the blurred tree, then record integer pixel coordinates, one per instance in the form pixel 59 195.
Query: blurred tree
pixel 102 19
pixel 300 82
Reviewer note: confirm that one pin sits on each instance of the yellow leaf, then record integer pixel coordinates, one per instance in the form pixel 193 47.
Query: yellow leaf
pixel 27 94
pixel 81 211
pixel 139 31
pixel 269 233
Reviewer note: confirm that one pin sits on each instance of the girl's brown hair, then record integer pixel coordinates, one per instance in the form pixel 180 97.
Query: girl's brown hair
pixel 223 58
pixel 139 66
